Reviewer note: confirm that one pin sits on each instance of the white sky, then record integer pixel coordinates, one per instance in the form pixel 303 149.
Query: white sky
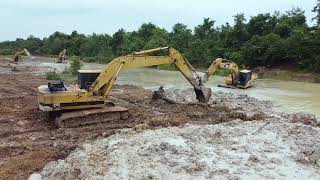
pixel 21 18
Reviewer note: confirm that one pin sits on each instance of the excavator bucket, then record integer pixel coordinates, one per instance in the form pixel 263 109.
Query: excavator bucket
pixel 203 95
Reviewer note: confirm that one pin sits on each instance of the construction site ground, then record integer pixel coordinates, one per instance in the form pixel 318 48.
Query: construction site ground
pixel 29 142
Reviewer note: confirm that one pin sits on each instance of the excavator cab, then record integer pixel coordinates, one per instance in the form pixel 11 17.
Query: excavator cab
pixel 245 79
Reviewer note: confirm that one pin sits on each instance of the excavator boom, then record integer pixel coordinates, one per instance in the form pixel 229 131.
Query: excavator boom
pixel 61 57
pixel 103 84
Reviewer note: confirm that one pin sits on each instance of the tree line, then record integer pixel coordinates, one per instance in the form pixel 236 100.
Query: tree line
pixel 270 40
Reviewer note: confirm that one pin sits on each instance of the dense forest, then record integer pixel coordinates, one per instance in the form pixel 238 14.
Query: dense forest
pixel 270 40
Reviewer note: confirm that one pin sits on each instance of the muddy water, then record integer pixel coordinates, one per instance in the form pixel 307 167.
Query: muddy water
pixel 288 96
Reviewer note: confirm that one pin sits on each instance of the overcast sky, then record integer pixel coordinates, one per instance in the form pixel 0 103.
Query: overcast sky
pixel 21 18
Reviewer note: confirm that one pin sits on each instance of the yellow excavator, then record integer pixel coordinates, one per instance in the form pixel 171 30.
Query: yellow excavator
pixel 68 105
pixel 17 55
pixel 237 79
pixel 62 56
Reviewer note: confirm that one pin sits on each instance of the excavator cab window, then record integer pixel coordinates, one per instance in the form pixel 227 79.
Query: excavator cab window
pixel 87 77
pixel 56 86
pixel 244 77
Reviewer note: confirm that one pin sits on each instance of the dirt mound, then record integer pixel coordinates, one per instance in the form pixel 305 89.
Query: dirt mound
pixel 191 152
pixel 221 147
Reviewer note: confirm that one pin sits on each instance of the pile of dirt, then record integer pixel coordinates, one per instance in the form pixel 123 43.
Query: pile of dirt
pixel 224 140
pixel 243 106
pixel 228 150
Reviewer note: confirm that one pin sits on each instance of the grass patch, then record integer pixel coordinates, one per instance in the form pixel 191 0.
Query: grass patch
pixel 222 72
pixel 98 59
pixel 53 75
pixel 65 76
pixel 75 65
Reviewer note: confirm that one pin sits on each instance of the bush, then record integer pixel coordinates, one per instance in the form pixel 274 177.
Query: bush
pixel 75 65
pixel 6 52
pixel 66 70
pixel 223 72
pixel 102 59
pixel 53 75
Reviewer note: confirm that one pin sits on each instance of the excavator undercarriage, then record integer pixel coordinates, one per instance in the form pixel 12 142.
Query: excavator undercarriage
pixel 67 119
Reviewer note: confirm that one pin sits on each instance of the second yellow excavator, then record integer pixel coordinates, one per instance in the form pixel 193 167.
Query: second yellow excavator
pixel 18 54
pixel 241 79
pixel 62 56
pixel 71 106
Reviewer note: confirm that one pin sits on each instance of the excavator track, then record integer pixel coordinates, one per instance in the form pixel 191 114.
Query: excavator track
pixel 91 116
pixel 227 86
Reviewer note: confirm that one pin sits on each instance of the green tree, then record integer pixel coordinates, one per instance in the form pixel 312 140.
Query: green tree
pixel 146 31
pixel 240 33
pixel 278 39
pixel 75 65
pixel 316 10
pixel 205 29
pixel 118 42
pixel 262 24
pixel 181 37
pixel 159 39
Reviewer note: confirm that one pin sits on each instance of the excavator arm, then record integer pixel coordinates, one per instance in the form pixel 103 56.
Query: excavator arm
pixel 103 84
pixel 220 63
pixel 61 57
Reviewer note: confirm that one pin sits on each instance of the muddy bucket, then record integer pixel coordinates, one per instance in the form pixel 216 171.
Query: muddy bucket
pixel 203 94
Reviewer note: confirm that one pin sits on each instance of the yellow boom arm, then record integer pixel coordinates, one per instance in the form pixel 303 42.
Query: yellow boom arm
pixel 61 57
pixel 103 84
pixel 220 63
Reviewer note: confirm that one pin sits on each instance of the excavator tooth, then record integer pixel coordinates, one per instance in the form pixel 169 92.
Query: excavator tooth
pixel 203 94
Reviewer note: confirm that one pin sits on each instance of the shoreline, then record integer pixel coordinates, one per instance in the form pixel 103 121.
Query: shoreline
pixel 263 72
pixel 287 75
pixel 282 74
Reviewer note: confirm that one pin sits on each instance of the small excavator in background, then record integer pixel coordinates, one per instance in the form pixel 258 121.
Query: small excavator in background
pixel 237 79
pixel 17 55
pixel 72 106
pixel 62 56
